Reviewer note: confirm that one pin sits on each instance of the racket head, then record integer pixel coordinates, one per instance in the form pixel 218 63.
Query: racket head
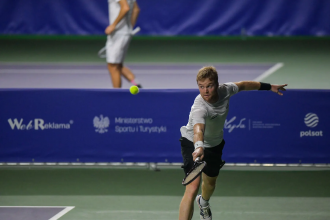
pixel 102 53
pixel 194 172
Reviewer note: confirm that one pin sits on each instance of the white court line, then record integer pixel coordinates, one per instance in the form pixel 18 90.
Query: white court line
pixel 223 212
pixel 35 206
pixel 105 71
pixel 269 72
pixel 55 217
pixel 61 213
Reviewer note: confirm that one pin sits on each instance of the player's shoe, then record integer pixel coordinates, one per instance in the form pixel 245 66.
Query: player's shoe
pixel 205 212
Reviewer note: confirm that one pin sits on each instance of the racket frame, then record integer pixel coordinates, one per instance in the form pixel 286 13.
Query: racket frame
pixel 196 163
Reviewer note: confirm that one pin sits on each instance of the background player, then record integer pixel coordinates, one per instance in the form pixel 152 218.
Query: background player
pixel 203 135
pixel 122 16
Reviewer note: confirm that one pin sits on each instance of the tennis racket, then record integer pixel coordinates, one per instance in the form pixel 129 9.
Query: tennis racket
pixel 103 52
pixel 194 172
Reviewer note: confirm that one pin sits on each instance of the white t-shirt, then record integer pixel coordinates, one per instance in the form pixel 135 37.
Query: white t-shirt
pixel 124 26
pixel 213 116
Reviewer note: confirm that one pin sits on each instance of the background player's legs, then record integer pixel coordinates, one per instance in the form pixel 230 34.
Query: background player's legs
pixel 208 186
pixel 127 73
pixel 187 203
pixel 115 72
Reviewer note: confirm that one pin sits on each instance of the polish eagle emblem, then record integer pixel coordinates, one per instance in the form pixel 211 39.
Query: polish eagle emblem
pixel 101 124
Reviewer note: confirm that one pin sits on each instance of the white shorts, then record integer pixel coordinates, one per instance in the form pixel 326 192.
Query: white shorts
pixel 117 46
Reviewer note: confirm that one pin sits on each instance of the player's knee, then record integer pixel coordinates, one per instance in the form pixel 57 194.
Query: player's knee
pixel 211 183
pixel 192 189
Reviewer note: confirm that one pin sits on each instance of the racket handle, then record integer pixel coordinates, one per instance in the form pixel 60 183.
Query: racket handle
pixel 136 30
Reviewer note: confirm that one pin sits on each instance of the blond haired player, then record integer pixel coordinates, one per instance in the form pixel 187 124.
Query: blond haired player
pixel 122 16
pixel 203 136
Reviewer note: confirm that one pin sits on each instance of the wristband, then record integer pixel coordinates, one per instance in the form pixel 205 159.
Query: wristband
pixel 265 86
pixel 199 144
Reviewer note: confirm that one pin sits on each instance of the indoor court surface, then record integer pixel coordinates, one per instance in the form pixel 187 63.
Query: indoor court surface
pixel 136 194
pixel 38 212
pixel 96 76
pixel 305 60
pixel 40 193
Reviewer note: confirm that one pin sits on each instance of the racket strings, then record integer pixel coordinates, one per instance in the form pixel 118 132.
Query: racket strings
pixel 194 173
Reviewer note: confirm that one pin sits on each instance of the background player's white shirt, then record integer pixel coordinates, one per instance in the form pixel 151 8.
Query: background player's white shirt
pixel 124 26
pixel 212 115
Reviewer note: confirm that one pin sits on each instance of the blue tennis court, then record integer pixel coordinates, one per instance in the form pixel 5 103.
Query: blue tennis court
pixel 35 212
pixel 151 75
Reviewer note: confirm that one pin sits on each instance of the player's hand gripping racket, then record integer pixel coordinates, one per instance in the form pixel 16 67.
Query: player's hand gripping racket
pixel 194 172
pixel 103 52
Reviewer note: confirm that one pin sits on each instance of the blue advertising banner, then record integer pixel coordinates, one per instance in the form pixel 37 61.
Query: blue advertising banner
pixel 49 125
pixel 170 17
pixel 266 128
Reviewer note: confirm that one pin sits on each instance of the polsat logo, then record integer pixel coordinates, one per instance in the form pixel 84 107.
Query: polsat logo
pixel 311 120
pixel 36 124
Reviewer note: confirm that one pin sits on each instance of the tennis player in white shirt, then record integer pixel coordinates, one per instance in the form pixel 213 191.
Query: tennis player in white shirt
pixel 203 136
pixel 122 17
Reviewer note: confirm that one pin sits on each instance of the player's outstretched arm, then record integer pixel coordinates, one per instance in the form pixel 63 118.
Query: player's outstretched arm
pixel 198 141
pixel 253 85
pixel 124 8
